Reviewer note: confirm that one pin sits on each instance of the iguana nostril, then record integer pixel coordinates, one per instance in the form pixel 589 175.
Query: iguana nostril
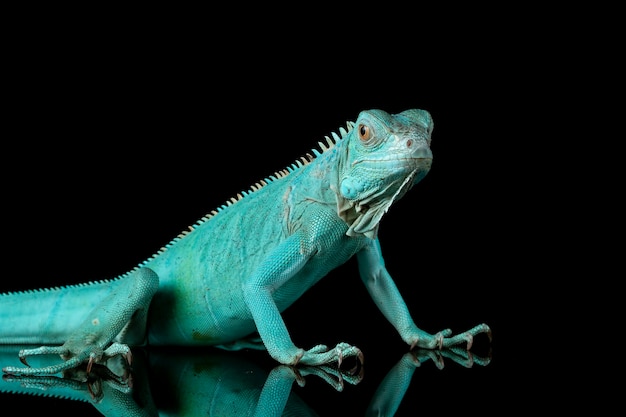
pixel 419 148
pixel 422 152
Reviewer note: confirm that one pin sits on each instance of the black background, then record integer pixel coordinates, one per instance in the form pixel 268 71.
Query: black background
pixel 121 135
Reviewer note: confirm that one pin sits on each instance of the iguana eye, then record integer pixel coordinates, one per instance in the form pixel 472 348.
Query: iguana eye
pixel 364 132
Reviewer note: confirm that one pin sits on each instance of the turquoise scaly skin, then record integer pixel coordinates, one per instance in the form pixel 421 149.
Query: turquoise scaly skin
pixel 234 271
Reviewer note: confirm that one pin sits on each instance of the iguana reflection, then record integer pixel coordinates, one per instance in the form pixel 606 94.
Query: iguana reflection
pixel 215 383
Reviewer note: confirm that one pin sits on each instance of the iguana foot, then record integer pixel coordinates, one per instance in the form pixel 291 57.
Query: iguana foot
pixel 321 355
pixel 332 376
pixel 456 354
pixel 72 359
pixel 443 339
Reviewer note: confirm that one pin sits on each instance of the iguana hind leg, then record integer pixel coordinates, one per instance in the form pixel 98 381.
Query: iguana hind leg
pixel 122 314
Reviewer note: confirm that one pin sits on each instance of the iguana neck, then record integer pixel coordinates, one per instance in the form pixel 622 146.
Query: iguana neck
pixel 362 216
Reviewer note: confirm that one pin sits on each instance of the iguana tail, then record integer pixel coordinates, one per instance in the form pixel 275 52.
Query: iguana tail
pixel 48 316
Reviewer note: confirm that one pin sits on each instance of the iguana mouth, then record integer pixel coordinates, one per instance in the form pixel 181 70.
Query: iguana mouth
pixel 395 167
pixel 392 159
pixel 409 163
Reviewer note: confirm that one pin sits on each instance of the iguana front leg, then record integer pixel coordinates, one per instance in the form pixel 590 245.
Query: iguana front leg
pixel 259 291
pixel 385 294
pixel 123 312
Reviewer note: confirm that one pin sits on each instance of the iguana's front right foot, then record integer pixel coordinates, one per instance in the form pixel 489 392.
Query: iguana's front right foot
pixel 444 338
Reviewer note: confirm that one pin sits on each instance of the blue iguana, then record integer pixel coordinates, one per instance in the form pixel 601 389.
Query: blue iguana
pixel 231 275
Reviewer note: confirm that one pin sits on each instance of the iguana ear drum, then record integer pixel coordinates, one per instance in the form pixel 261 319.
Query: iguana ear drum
pixel 351 187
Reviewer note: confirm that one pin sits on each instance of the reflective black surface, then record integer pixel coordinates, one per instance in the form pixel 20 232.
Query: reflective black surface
pixel 213 382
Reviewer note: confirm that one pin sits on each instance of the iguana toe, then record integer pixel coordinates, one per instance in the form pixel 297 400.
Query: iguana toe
pixel 43 350
pixel 46 370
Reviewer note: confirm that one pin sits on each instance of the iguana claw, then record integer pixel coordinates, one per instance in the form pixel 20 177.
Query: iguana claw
pixel 23 359
pixel 339 357
pixel 90 363
pixel 439 337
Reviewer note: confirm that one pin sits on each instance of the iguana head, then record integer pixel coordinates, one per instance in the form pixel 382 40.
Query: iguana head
pixel 385 155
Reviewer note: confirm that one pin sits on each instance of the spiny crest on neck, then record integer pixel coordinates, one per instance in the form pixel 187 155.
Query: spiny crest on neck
pixel 331 141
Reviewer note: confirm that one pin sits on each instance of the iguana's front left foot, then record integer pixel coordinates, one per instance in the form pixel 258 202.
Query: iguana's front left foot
pixel 321 355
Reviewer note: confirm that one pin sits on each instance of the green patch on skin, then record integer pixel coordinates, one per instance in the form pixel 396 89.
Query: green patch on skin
pixel 204 337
